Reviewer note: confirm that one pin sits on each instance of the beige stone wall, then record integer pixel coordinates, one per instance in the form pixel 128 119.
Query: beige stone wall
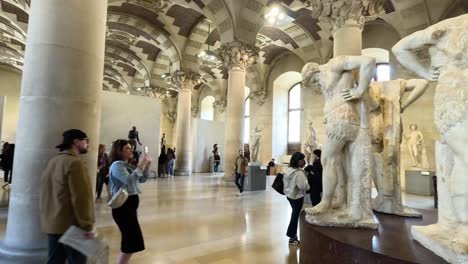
pixel 10 85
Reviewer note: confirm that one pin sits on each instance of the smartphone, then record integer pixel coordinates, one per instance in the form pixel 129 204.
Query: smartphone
pixel 146 150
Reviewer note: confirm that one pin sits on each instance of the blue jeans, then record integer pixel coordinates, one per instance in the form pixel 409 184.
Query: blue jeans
pixel 216 165
pixel 59 252
pixel 240 181
pixel 170 165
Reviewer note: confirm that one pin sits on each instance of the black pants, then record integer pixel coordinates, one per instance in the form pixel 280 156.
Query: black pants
pixel 315 197
pixel 6 173
pixel 296 206
pixel 240 181
pixel 59 252
pixel 126 218
pixel 99 184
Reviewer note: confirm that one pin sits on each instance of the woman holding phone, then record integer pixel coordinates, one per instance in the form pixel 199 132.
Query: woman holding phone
pixel 122 174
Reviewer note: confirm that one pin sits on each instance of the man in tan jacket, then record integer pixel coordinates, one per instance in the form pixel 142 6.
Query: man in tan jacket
pixel 67 197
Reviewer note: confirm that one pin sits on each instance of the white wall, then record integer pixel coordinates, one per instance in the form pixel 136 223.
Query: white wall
pixel 205 134
pixel 120 112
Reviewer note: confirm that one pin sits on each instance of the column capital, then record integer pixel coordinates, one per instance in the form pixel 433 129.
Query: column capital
pixel 259 97
pixel 185 80
pixel 345 13
pixel 238 54
pixel 220 105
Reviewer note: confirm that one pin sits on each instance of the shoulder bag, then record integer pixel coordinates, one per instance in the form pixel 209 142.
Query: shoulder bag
pixel 119 198
pixel 278 184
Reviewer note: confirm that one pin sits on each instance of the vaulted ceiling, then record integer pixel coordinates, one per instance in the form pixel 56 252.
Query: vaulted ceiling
pixel 147 38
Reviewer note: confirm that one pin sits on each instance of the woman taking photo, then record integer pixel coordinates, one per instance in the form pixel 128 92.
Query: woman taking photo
pixel 295 187
pixel 124 175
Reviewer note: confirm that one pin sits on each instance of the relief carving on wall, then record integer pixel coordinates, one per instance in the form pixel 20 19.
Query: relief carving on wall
pixel 237 54
pixel 259 97
pixel 220 105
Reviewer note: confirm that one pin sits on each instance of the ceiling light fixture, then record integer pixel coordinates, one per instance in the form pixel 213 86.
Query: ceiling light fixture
pixel 209 57
pixel 277 16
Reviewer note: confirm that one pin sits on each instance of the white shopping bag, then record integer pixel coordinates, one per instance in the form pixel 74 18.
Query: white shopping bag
pixel 95 249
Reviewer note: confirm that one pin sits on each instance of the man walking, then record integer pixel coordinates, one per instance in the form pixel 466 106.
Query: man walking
pixel 67 198
pixel 241 169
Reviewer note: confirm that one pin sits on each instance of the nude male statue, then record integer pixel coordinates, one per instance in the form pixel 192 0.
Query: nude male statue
pixel 342 118
pixel 447 42
pixel 415 146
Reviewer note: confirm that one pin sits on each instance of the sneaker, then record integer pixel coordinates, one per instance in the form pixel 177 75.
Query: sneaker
pixel 239 194
pixel 294 242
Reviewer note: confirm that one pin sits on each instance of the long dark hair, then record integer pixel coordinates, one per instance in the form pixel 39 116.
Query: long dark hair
pixel 295 158
pixel 116 150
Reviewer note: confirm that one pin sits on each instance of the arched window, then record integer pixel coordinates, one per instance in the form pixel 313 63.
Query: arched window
pixel 382 57
pixel 247 121
pixel 207 110
pixel 382 72
pixel 294 119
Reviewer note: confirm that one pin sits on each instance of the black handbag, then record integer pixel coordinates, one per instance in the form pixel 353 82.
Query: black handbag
pixel 278 184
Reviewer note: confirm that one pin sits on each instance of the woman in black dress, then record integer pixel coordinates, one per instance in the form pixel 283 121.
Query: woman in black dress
pixel 122 174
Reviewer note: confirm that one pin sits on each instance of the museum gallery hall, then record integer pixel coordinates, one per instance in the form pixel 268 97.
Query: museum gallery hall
pixel 234 131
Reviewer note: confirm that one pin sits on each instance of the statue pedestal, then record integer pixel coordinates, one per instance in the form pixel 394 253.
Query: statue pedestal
pixel 255 180
pixel 390 243
pixel 419 182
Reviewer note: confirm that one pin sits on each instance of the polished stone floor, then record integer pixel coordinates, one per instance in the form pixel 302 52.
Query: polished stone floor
pixel 194 220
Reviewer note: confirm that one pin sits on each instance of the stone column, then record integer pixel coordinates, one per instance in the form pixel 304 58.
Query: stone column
pixel 60 90
pixel 347 40
pixel 237 56
pixel 185 81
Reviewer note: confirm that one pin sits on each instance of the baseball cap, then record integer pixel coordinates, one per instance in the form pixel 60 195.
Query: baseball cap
pixel 70 135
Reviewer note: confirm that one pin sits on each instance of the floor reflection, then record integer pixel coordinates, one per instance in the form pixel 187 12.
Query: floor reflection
pixel 196 220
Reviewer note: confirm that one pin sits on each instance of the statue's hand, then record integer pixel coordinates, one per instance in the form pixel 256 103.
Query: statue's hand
pixel 431 74
pixel 349 95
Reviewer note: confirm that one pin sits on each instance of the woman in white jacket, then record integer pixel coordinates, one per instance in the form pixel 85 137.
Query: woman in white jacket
pixel 295 187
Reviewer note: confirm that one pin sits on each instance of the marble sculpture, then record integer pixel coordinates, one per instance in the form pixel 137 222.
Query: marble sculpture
pixel 385 106
pixel 346 153
pixel 310 143
pixel 447 42
pixel 256 136
pixel 416 147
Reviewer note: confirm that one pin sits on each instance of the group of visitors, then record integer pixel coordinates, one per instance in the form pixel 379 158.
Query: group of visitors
pixel 66 196
pixel 166 160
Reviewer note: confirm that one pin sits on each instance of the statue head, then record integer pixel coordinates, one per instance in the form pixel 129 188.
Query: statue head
pixel 310 74
pixel 134 128
pixel 413 127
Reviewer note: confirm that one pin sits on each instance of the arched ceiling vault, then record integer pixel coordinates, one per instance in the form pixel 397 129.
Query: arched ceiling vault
pixel 147 38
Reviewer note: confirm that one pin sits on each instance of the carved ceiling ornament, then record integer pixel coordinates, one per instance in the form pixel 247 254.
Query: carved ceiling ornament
pixel 259 97
pixel 158 5
pixel 340 13
pixel 220 105
pixel 121 36
pixel 185 79
pixel 237 54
